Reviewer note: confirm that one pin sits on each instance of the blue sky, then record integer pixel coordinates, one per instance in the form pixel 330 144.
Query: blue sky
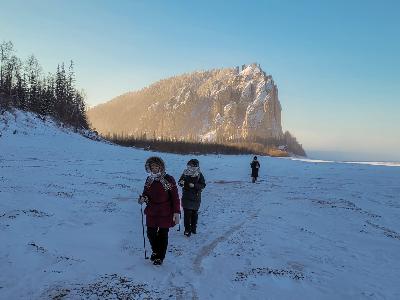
pixel 336 63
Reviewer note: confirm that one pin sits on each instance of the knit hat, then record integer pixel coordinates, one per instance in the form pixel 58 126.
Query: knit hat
pixel 193 162
pixel 154 160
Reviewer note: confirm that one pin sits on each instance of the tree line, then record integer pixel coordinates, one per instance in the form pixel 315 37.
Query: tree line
pixel 222 146
pixel 24 86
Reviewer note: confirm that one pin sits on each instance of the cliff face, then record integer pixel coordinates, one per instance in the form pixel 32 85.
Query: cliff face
pixel 222 103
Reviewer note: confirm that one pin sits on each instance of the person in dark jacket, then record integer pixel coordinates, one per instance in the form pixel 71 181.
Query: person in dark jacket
pixel 162 210
pixel 255 166
pixel 192 183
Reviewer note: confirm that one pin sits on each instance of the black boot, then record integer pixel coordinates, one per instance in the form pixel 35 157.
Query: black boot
pixel 153 256
pixel 194 219
pixel 187 221
pixel 158 262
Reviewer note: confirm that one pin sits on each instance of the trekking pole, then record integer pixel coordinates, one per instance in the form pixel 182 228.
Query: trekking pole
pixel 144 239
pixel 179 225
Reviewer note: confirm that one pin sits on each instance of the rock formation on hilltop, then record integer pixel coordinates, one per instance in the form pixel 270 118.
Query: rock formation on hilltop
pixel 229 103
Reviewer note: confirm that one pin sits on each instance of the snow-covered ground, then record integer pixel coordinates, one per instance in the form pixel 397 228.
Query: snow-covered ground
pixel 70 226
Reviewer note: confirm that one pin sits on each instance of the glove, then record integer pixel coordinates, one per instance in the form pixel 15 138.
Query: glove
pixel 181 183
pixel 176 218
pixel 191 185
pixel 142 199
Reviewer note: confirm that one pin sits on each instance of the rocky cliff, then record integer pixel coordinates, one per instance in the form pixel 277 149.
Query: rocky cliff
pixel 240 102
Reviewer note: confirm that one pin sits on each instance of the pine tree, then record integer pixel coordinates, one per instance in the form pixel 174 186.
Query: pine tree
pixel 33 71
pixel 60 93
pixel 20 89
pixel 6 49
pixel 22 86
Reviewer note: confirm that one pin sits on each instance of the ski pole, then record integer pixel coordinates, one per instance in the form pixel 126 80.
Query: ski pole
pixel 144 239
pixel 179 225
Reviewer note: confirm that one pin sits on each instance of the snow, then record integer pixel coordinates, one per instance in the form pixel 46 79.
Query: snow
pixel 228 108
pixel 70 226
pixel 255 110
pixel 246 93
pixel 372 163
pixel 154 106
pixel 218 120
pixel 255 114
pixel 375 163
pixel 309 160
pixel 210 136
pixel 251 69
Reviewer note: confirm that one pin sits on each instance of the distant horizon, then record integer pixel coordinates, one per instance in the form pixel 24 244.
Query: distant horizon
pixel 335 63
pixel 348 156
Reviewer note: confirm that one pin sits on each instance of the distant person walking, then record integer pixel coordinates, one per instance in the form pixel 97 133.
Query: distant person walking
pixel 192 182
pixel 162 210
pixel 255 166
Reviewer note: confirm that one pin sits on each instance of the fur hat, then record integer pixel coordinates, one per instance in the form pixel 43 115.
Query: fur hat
pixel 154 160
pixel 193 162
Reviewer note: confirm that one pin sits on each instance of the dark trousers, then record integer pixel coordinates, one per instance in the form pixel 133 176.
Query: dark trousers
pixel 158 238
pixel 190 219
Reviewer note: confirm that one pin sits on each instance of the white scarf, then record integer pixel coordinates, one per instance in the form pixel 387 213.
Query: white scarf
pixel 160 176
pixel 192 171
